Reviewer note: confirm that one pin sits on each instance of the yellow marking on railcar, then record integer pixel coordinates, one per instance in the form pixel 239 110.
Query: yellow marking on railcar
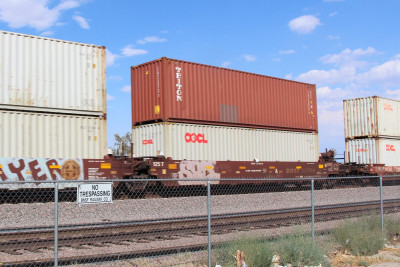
pixel 105 165
pixel 55 167
pixel 172 166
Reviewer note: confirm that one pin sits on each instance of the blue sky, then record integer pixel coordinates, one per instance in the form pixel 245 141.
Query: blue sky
pixel 348 48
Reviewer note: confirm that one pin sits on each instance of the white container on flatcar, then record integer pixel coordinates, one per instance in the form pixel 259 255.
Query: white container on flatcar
pixel 42 135
pixel 371 117
pixel 41 74
pixel 373 151
pixel 209 142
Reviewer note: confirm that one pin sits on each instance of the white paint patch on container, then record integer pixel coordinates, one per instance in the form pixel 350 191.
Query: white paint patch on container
pixel 208 142
pixel 41 135
pixel 373 151
pixel 371 117
pixel 44 73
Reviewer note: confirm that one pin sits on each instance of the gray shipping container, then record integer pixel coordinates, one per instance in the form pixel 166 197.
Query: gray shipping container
pixel 42 74
pixel 41 135
pixel 371 117
pixel 210 142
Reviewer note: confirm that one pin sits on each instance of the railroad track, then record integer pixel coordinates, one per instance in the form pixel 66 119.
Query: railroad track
pixel 13 241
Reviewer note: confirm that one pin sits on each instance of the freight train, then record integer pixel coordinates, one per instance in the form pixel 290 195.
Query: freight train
pixel 163 171
pixel 189 121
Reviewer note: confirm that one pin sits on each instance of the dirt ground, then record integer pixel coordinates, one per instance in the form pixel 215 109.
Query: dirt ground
pixel 387 257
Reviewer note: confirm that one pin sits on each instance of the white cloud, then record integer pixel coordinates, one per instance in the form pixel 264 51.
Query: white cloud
pixel 393 93
pixel 289 77
pixel 226 64
pixel 347 55
pixel 342 75
pixel 333 14
pixel 81 21
pixel 287 52
pixel 110 97
pixel 304 24
pixel 347 62
pixel 151 39
pixel 47 33
pixel 388 73
pixel 325 92
pixel 249 58
pixel 333 37
pixel 129 51
pixel 34 14
pixel 110 58
pixel 126 89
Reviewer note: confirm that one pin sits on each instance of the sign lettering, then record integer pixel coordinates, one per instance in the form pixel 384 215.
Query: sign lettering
pixel 178 76
pixel 147 142
pixel 387 107
pixel 390 148
pixel 94 193
pixel 195 138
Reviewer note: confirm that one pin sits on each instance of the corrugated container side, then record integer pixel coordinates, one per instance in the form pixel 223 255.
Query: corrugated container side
pixel 180 91
pixel 44 73
pixel 207 142
pixel 40 135
pixel 371 117
pixel 373 151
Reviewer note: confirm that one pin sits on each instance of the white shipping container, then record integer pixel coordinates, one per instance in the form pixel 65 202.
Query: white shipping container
pixel 371 117
pixel 209 142
pixel 44 73
pixel 373 151
pixel 42 135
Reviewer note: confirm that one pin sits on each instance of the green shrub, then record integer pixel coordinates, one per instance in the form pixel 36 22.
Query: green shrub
pixel 392 229
pixel 297 249
pixel 362 236
pixel 256 252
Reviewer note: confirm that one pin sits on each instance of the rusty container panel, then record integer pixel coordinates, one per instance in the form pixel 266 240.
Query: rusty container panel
pixel 41 135
pixel 211 142
pixel 373 151
pixel 371 117
pixel 42 74
pixel 181 91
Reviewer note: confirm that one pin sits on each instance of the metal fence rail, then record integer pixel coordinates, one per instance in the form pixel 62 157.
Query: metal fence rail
pixel 46 223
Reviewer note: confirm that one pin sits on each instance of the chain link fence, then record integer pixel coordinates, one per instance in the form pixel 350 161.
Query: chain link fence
pixel 200 223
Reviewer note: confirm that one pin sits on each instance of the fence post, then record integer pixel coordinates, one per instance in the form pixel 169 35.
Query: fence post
pixel 209 220
pixel 56 224
pixel 381 196
pixel 312 211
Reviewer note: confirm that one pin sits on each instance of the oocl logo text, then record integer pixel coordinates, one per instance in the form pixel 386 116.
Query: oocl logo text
pixel 147 142
pixel 195 138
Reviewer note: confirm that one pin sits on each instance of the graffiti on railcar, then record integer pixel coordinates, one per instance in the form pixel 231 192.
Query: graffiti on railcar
pixel 197 169
pixel 29 169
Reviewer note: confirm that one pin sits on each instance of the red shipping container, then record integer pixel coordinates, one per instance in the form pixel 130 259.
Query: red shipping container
pixel 180 91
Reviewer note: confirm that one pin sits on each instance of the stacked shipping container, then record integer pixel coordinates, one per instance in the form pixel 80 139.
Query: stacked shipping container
pixel 52 98
pixel 218 114
pixel 372 130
